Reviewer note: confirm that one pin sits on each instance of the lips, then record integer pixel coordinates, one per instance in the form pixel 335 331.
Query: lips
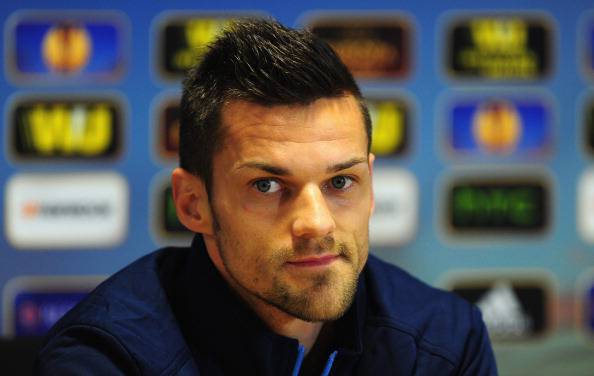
pixel 314 261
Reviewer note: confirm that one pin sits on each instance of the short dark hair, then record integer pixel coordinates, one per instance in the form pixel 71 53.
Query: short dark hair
pixel 264 62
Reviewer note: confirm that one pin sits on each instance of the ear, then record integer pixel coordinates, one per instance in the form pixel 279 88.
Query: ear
pixel 371 160
pixel 191 201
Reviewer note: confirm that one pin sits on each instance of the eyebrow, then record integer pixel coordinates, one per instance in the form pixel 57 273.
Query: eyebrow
pixel 345 165
pixel 281 171
pixel 274 170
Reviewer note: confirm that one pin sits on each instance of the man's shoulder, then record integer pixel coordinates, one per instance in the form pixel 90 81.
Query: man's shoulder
pixel 398 293
pixel 135 289
pixel 130 314
pixel 438 321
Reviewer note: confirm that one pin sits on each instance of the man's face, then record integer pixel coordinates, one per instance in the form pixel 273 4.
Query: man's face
pixel 292 197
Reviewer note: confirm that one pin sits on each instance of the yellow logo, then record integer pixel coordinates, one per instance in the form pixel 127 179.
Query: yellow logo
pixel 61 129
pixel 501 47
pixel 198 33
pixel 499 35
pixel 389 127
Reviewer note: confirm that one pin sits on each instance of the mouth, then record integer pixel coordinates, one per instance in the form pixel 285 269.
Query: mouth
pixel 314 261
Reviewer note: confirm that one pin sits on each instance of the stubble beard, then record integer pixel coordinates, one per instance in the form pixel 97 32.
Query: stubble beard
pixel 326 298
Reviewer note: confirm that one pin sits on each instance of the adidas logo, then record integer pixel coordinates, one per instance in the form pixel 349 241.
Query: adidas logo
pixel 503 313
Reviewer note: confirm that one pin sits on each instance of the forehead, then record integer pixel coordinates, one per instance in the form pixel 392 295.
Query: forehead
pixel 324 121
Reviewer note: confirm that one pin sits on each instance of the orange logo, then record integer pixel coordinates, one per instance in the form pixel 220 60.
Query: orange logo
pixel 31 209
pixel 66 48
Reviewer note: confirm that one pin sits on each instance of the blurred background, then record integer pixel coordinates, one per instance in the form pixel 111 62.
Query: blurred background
pixel 483 127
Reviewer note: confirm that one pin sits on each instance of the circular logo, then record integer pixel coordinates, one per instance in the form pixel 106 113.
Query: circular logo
pixel 66 48
pixel 497 127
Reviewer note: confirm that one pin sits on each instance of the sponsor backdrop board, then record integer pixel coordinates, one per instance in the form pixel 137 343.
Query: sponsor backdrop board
pixel 483 130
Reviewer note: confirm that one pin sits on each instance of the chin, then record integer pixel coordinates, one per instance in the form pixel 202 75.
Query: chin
pixel 328 315
pixel 320 305
pixel 321 313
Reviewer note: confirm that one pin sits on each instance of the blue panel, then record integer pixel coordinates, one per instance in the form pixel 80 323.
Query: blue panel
pixel 36 312
pixel 105 47
pixel 534 123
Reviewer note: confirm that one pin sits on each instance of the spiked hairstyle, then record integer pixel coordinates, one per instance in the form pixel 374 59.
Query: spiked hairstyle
pixel 263 62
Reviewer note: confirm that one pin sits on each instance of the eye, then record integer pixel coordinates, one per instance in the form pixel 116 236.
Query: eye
pixel 267 185
pixel 341 182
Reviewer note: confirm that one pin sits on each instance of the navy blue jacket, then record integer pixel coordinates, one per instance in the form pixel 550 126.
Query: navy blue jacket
pixel 171 313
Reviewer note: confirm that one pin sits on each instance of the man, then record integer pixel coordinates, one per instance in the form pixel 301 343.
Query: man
pixel 275 179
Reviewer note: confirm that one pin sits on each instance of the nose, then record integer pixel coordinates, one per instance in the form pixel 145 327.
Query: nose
pixel 313 218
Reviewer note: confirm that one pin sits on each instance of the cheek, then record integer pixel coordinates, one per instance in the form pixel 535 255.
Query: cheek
pixel 357 200
pixel 260 206
pixel 244 254
pixel 242 219
pixel 358 229
pixel 352 214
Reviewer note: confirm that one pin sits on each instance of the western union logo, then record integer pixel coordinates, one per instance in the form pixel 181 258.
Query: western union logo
pixel 66 129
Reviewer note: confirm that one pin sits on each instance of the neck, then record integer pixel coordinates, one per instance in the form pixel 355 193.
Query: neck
pixel 284 324
pixel 278 321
